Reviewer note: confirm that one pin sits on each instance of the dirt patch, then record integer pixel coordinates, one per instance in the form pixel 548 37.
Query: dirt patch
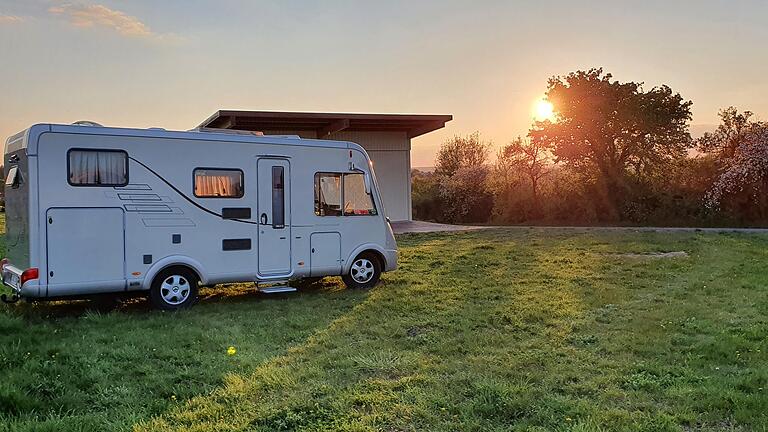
pixel 416 331
pixel 676 254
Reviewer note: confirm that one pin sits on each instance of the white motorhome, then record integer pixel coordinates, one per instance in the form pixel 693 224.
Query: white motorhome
pixel 96 210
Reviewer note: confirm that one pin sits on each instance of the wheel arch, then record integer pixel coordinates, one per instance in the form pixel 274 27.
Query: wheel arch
pixel 174 261
pixel 375 250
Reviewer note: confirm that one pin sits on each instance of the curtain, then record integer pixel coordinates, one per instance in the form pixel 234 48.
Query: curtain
pixel 356 200
pixel 97 167
pixel 217 185
pixel 330 190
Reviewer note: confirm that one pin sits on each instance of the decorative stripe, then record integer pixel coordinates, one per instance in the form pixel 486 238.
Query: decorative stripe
pixel 190 200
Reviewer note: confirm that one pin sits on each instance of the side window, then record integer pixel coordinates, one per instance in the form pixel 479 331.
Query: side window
pixel 357 201
pixel 328 194
pixel 218 183
pixel 278 197
pixel 98 168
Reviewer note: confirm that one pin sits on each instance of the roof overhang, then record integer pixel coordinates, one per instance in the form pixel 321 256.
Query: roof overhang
pixel 325 124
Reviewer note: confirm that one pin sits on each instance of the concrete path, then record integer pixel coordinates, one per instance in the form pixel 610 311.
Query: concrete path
pixel 650 229
pixel 403 227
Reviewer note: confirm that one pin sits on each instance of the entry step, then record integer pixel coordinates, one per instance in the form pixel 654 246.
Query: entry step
pixel 277 289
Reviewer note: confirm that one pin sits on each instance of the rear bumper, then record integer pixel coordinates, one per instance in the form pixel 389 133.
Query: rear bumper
pixel 12 279
pixel 390 259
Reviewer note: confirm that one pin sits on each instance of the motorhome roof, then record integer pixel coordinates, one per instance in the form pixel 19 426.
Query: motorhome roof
pixel 14 143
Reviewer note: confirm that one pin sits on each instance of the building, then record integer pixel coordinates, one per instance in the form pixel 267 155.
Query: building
pixel 386 138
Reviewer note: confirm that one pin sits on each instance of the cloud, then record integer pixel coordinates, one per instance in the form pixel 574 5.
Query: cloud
pixel 10 19
pixel 85 16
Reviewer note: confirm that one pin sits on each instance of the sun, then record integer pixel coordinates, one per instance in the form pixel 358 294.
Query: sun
pixel 544 110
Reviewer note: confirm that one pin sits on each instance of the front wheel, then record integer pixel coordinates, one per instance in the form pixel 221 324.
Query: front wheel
pixel 364 272
pixel 174 288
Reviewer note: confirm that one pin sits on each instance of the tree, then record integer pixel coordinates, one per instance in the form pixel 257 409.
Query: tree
pixel 465 195
pixel 425 196
pixel 742 145
pixel 609 130
pixel 728 135
pixel 462 175
pixel 461 152
pixel 529 158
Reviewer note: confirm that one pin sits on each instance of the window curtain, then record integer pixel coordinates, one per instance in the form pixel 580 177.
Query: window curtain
pixel 356 200
pixel 330 191
pixel 225 185
pixel 94 167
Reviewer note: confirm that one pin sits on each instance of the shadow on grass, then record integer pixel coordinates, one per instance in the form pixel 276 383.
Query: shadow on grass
pixel 138 303
pixel 89 366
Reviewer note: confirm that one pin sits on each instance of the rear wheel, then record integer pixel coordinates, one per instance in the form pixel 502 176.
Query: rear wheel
pixel 364 272
pixel 174 288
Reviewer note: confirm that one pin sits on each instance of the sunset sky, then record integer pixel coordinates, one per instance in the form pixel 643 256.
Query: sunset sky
pixel 173 63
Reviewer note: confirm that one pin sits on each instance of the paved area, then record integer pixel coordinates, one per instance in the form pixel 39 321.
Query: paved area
pixel 403 227
pixel 651 229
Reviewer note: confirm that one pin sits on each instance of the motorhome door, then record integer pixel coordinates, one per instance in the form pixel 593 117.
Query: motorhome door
pixel 274 210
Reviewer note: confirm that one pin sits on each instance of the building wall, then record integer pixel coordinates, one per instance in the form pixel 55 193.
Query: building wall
pixel 391 156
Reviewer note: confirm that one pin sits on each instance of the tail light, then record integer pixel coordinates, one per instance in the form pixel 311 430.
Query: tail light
pixel 29 274
pixel 3 263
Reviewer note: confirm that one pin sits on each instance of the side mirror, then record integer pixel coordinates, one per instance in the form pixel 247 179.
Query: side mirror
pixel 368 183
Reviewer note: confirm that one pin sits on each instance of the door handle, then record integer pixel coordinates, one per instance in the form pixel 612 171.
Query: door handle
pixel 263 219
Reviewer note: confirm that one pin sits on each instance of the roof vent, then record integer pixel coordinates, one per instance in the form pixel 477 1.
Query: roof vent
pixel 86 123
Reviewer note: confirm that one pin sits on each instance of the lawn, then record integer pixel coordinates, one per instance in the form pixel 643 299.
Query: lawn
pixel 508 329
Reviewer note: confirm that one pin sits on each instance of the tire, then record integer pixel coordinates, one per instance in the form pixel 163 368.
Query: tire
pixel 364 272
pixel 174 288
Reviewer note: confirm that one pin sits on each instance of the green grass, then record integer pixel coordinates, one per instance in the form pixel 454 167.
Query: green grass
pixel 510 329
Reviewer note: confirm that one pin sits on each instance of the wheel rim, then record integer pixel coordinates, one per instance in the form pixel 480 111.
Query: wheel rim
pixel 362 270
pixel 175 289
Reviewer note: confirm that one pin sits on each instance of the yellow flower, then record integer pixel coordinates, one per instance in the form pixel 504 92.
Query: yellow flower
pixel 231 351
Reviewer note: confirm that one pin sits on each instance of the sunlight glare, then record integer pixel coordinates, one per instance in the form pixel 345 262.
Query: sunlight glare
pixel 544 110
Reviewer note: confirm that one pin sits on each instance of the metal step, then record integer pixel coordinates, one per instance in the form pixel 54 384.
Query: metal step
pixel 277 289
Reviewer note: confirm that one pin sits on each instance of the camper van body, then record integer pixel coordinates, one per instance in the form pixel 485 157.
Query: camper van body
pixel 67 236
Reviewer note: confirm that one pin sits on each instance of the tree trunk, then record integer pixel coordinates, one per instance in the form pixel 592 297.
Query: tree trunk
pixel 611 189
pixel 535 204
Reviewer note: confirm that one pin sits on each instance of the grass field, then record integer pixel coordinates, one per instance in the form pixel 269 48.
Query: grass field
pixel 494 330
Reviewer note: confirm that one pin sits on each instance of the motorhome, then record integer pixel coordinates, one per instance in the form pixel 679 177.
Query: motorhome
pixel 94 209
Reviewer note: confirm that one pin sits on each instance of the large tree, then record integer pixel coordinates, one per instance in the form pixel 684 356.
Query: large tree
pixel 610 131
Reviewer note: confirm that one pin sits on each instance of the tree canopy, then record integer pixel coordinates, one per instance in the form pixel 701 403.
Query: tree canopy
pixel 461 152
pixel 610 130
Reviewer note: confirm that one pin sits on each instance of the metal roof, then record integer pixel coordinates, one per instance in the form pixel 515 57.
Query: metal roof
pixel 325 124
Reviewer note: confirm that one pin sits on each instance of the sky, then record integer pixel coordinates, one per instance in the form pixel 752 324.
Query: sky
pixel 172 63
